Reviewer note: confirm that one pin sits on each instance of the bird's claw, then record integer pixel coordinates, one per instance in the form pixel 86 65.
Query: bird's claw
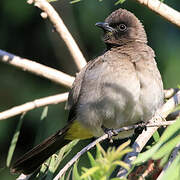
pixel 110 132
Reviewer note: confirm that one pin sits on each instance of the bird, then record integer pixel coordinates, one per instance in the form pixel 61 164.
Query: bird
pixel 121 87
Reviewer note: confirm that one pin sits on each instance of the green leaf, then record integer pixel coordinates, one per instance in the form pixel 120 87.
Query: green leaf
pixel 156 136
pixel 44 168
pixel 98 153
pixel 14 141
pixel 44 113
pixel 40 127
pixel 143 157
pixel 89 172
pixel 91 159
pixel 164 160
pixel 167 147
pixel 75 173
pixel 74 1
pixel 52 167
pixel 105 162
pixel 120 2
pixel 68 177
pixel 63 152
pixel 173 172
pixel 167 142
pixel 171 131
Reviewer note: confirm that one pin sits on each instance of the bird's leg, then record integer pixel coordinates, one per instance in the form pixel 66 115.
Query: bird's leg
pixel 140 127
pixel 110 132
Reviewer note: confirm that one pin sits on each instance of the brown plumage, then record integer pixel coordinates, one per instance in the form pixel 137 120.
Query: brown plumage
pixel 121 87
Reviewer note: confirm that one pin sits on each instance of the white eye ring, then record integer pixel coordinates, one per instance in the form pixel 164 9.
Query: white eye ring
pixel 122 27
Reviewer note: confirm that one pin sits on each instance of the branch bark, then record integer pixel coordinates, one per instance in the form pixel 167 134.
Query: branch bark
pixel 60 27
pixel 163 10
pixel 32 105
pixel 36 68
pixel 143 138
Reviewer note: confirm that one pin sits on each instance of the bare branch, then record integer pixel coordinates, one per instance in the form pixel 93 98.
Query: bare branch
pixel 102 138
pixel 163 10
pixel 60 27
pixel 143 138
pixel 32 105
pixel 36 68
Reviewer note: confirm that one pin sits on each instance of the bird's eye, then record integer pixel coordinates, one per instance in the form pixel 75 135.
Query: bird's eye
pixel 122 27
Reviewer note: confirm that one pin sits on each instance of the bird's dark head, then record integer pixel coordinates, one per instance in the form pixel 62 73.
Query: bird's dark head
pixel 122 27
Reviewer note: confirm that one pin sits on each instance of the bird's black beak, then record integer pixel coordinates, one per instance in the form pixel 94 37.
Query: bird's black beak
pixel 105 26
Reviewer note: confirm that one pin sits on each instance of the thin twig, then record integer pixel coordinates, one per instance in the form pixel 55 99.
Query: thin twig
pixel 171 159
pixel 36 68
pixel 163 10
pixel 33 104
pixel 102 138
pixel 77 156
pixel 60 27
pixel 143 138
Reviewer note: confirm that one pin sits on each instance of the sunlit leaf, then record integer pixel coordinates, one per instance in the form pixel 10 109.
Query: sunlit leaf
pixel 74 1
pixel 173 171
pixel 120 2
pixel 14 141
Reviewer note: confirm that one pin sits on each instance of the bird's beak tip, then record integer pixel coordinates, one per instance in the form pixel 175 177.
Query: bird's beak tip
pixel 105 26
pixel 100 24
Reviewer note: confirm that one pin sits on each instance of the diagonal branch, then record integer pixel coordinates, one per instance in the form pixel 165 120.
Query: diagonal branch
pixel 143 138
pixel 163 10
pixel 102 138
pixel 36 68
pixel 60 27
pixel 32 105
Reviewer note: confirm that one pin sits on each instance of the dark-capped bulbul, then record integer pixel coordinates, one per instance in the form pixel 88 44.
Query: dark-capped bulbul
pixel 121 87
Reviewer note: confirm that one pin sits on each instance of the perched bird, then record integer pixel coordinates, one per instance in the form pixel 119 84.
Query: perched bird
pixel 119 88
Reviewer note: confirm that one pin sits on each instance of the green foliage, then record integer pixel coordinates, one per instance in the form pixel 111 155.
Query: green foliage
pixel 104 164
pixel 40 126
pixel 120 2
pixel 156 136
pixel 163 149
pixel 48 169
pixel 74 1
pixel 173 172
pixel 14 140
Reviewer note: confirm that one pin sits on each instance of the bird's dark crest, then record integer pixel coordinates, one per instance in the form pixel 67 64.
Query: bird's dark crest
pixel 135 30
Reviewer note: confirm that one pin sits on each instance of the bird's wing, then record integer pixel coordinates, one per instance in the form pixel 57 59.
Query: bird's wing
pixel 76 87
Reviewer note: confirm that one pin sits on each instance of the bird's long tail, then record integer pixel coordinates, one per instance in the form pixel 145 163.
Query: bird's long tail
pixel 31 160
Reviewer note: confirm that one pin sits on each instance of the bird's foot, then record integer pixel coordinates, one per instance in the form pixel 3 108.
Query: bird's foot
pixel 110 132
pixel 140 127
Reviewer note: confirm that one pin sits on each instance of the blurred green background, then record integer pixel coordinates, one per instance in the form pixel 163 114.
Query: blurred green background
pixel 24 33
